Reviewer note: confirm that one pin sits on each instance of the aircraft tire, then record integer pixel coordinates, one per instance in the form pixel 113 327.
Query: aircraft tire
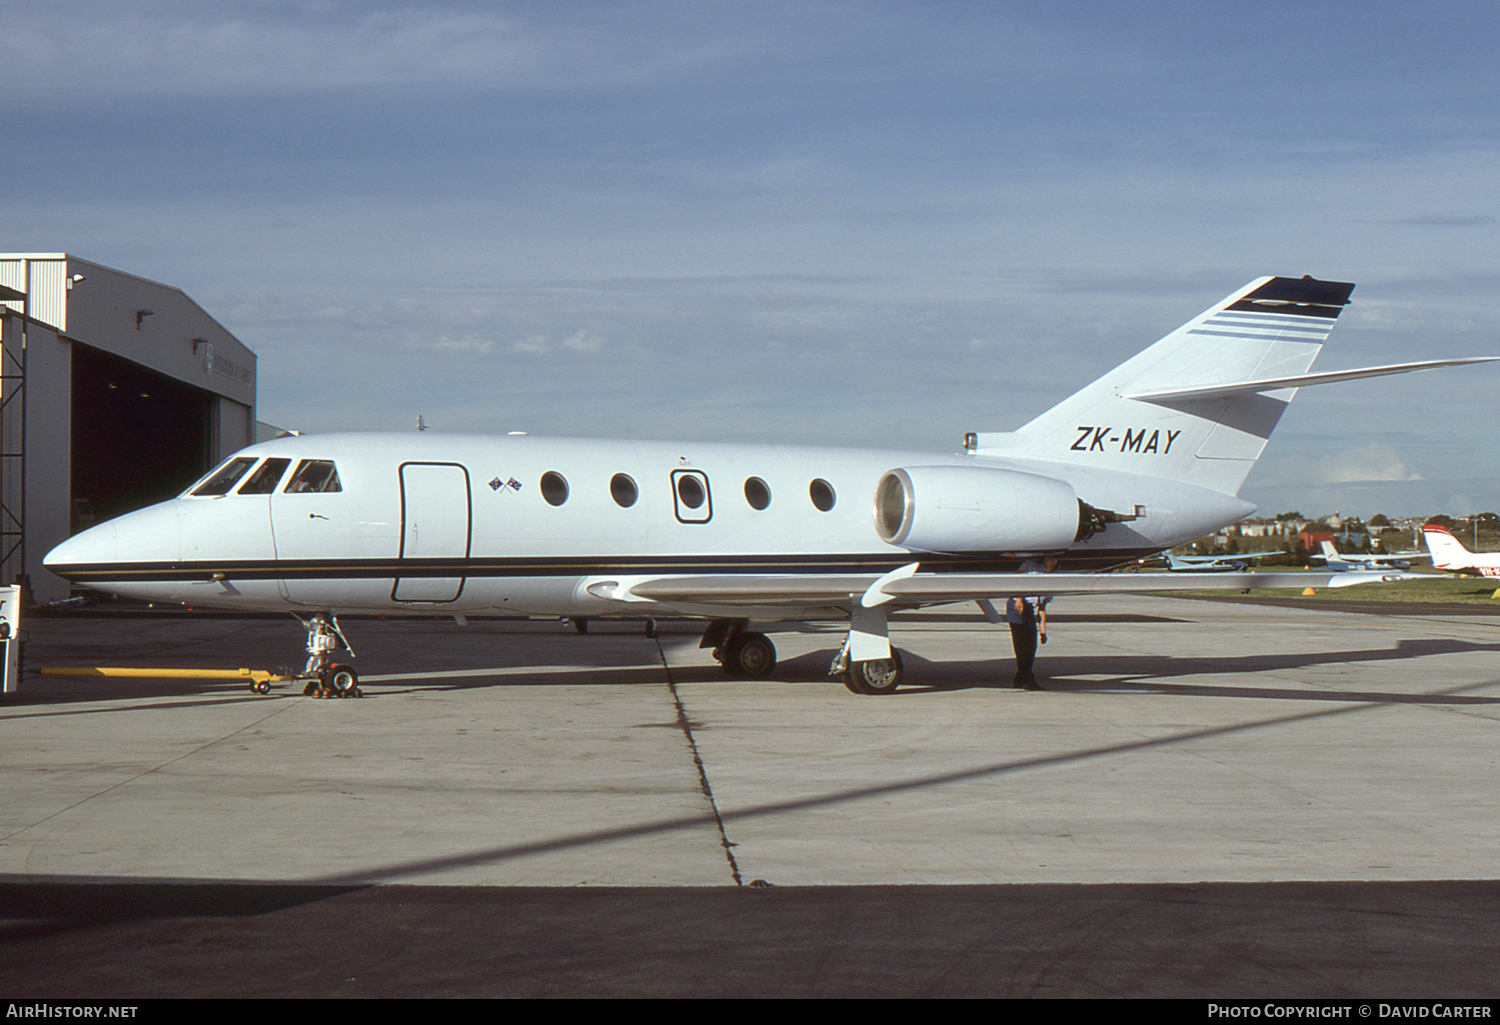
pixel 343 681
pixel 754 657
pixel 877 676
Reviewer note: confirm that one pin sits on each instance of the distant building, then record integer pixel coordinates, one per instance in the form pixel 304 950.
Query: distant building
pixel 1315 538
pixel 117 392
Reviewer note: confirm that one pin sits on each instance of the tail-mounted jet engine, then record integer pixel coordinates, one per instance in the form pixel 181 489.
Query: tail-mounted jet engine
pixel 978 509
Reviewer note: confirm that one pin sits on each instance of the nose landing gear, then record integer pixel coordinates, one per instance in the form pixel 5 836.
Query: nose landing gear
pixel 324 677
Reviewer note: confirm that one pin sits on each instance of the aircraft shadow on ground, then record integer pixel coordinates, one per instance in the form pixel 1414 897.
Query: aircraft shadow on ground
pixel 1146 674
pixel 147 691
pixel 1115 672
pixel 1148 671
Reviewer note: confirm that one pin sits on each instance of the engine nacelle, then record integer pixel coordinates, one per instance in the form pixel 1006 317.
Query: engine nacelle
pixel 975 509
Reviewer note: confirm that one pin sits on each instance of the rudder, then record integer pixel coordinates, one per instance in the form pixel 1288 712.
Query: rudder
pixel 1448 553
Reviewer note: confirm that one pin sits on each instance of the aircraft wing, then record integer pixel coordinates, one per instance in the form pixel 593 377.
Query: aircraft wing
pixel 907 587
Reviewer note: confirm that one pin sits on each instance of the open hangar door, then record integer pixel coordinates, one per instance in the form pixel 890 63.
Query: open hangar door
pixel 138 436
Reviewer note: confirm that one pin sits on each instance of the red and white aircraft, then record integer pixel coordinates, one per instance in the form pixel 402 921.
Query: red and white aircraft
pixel 1450 556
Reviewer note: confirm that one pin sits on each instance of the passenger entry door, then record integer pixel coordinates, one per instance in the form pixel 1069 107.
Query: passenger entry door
pixel 436 517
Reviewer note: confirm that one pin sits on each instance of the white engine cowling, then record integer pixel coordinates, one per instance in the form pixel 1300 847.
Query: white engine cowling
pixel 975 509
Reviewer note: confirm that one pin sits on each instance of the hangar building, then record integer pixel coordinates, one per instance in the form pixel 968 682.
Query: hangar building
pixel 117 392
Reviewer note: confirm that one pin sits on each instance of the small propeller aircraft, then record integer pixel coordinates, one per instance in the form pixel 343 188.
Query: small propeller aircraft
pixel 1344 562
pixel 1149 456
pixel 1212 563
pixel 1450 555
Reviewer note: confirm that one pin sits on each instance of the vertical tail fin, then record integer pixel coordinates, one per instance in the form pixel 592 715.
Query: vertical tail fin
pixel 1180 409
pixel 1448 552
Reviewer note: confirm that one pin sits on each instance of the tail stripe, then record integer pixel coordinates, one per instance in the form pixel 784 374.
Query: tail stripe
pixel 1262 326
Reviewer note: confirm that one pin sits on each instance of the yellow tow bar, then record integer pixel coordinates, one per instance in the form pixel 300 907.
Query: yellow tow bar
pixel 257 679
pixel 340 682
pixel 259 675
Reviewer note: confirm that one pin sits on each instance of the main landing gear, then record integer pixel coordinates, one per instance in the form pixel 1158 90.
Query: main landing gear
pixel 744 654
pixel 323 677
pixel 871 676
pixel 741 653
pixel 867 662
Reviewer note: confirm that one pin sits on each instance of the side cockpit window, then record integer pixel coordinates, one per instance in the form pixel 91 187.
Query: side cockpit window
pixel 264 480
pixel 225 477
pixel 314 475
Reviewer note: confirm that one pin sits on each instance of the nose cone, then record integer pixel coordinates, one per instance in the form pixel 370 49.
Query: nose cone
pixel 95 547
pixel 119 549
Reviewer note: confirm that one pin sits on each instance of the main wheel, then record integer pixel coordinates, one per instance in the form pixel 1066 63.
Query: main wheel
pixel 753 656
pixel 876 676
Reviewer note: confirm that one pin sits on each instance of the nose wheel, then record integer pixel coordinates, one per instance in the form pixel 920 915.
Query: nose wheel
pixel 326 678
pixel 336 681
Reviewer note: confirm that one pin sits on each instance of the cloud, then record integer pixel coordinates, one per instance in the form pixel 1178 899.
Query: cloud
pixel 475 346
pixel 1364 464
pixel 544 345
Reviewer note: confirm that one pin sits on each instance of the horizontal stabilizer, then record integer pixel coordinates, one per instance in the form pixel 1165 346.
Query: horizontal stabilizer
pixel 1301 380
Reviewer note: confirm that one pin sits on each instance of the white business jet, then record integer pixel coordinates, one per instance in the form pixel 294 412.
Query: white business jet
pixel 1450 555
pixel 1147 457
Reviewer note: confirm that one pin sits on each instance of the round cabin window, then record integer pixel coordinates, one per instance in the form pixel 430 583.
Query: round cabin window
pixel 821 493
pixel 690 491
pixel 554 488
pixel 757 493
pixel 623 490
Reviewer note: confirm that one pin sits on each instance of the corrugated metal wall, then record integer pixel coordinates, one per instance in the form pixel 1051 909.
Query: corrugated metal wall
pixel 48 295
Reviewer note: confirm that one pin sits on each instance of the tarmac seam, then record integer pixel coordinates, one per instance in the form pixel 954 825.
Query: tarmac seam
pixel 686 727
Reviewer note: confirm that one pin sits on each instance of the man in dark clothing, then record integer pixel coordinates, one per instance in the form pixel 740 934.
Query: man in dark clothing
pixel 1027 617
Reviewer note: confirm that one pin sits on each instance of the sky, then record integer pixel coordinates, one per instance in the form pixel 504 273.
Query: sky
pixel 829 221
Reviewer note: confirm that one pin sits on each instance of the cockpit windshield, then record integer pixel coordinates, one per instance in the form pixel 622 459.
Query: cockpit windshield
pixel 221 480
pixel 264 480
